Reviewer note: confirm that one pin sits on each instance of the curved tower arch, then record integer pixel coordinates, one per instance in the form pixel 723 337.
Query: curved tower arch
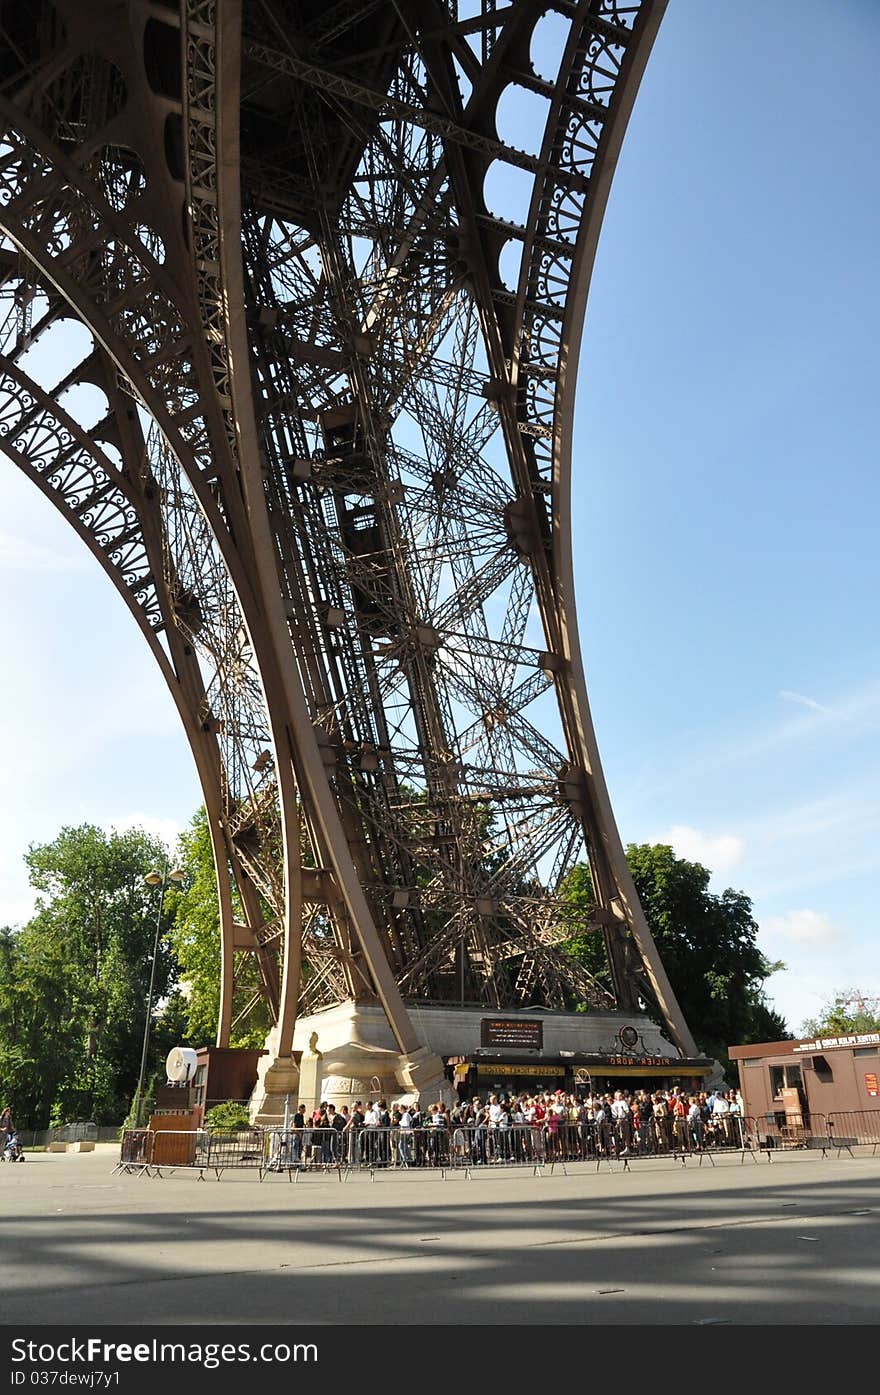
pixel 333 480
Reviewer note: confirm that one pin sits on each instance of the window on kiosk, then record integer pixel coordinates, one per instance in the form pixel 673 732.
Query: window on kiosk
pixel 784 1077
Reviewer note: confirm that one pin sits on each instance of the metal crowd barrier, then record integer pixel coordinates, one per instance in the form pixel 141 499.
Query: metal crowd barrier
pixel 295 1151
pixel 673 1135
pixel 147 1152
pixel 242 1148
pixel 463 1148
pixel 457 1149
pixel 841 1130
pixel 769 1135
pixel 133 1152
pixel 846 1128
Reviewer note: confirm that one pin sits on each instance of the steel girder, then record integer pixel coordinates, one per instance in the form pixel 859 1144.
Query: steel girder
pixel 331 470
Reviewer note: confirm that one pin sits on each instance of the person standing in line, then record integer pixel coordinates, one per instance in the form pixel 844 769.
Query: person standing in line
pixel 322 1134
pixel 679 1112
pixel 646 1122
pixel 357 1119
pixel 661 1123
pixel 695 1124
pixel 734 1118
pixel 600 1121
pixel 371 1142
pixel 296 1138
pixel 620 1118
pixel 338 1122
pixel 350 1141
pixel 720 1118
pixel 405 1135
pixel 741 1112
pixel 384 1117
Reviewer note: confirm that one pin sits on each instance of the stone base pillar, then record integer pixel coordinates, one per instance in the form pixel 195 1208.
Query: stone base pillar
pixel 277 1082
pixel 422 1077
pixel 358 1070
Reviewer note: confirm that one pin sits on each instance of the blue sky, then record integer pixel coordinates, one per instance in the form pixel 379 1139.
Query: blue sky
pixel 726 501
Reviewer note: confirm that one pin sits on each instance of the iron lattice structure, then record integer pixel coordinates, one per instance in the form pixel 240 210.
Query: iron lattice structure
pixel 314 420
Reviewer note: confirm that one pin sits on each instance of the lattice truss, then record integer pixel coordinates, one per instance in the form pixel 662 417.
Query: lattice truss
pixel 410 408
pixel 124 490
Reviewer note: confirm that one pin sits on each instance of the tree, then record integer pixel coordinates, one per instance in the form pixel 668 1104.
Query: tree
pixel 707 942
pixel 194 937
pixel 848 1013
pixel 73 980
pixel 584 943
pixel 37 1032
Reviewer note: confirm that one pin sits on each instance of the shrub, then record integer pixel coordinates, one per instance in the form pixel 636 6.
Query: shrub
pixel 228 1116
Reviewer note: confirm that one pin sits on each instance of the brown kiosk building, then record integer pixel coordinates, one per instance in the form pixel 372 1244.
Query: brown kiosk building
pixel 816 1075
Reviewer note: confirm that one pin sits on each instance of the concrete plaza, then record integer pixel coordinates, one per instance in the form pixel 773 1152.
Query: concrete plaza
pixel 792 1241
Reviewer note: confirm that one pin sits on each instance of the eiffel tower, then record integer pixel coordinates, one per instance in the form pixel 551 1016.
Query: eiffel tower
pixel 290 336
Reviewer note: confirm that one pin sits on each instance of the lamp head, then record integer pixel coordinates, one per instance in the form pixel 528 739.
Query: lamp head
pixel 152 878
pixel 177 875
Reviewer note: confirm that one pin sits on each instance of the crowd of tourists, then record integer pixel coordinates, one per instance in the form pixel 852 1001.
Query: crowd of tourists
pixel 513 1128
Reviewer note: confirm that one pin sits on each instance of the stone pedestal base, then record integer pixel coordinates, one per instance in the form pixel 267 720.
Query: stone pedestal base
pixel 277 1085
pixel 423 1078
pixel 344 1073
pixel 357 1070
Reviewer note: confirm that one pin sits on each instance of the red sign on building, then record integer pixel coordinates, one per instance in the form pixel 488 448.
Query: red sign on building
pixel 871 1084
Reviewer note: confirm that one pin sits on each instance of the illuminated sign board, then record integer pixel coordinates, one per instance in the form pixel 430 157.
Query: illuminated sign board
pixel 512 1032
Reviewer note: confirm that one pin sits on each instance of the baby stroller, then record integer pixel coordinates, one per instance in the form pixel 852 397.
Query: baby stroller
pixel 13 1151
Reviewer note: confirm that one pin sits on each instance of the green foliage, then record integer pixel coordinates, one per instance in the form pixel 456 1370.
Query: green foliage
pixel 73 980
pixel 849 1012
pixel 38 1030
pixel 584 944
pixel 194 934
pixel 194 937
pixel 707 942
pixel 227 1117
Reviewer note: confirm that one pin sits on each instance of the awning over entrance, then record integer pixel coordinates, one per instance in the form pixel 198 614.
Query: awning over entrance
pixel 582 1069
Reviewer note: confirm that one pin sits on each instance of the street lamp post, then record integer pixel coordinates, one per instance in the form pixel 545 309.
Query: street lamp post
pixel 153 878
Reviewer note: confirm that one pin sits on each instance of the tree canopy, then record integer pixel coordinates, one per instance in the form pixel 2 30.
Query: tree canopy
pixel 847 1013
pixel 707 942
pixel 74 979
pixel 194 936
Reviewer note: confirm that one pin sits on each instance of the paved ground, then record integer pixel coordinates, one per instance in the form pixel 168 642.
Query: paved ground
pixel 792 1241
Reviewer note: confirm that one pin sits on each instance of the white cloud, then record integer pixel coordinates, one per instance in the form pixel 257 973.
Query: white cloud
pixel 802 927
pixel 853 715
pixel 19 554
pixel 719 852
pixel 804 701
pixel 168 830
